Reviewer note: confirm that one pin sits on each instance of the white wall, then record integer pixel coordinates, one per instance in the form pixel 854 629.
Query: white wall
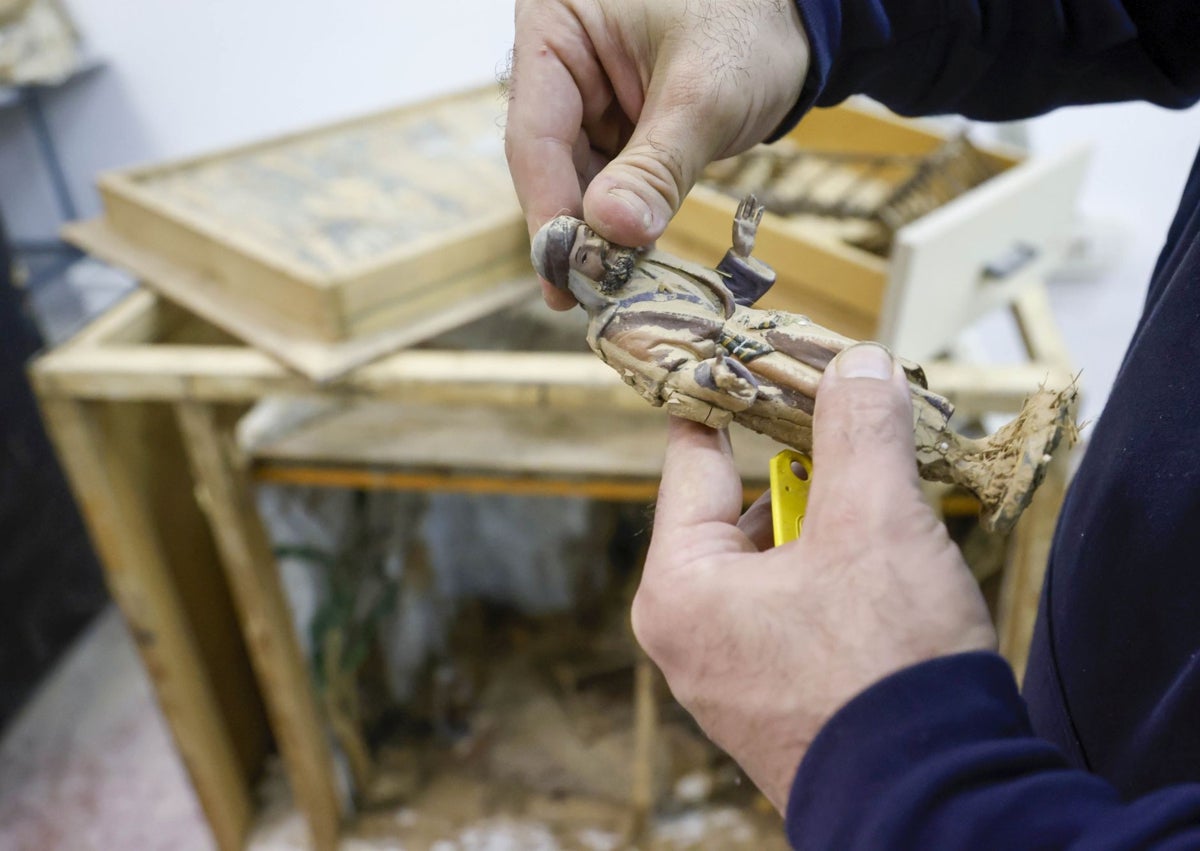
pixel 183 76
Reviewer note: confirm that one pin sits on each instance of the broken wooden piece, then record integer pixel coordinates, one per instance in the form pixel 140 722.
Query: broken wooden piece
pixel 881 192
pixel 685 336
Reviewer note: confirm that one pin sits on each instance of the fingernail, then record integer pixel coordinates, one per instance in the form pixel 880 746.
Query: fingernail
pixel 639 208
pixel 865 360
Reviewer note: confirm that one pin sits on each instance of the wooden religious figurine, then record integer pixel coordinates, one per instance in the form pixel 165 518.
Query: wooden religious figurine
pixel 685 336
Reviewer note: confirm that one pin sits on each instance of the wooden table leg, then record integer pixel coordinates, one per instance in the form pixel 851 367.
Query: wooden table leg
pixel 645 738
pixel 1029 550
pixel 224 491
pixel 194 659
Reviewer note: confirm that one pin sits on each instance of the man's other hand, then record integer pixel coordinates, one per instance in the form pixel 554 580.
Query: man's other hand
pixel 763 644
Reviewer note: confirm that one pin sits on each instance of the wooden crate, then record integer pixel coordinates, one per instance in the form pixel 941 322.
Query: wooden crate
pixel 936 279
pixel 331 246
pixel 144 406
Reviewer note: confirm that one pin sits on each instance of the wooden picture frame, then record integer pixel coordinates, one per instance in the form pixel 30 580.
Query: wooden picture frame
pixel 331 246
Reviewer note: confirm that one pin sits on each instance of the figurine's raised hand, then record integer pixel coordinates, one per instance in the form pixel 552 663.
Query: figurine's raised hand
pixel 618 105
pixel 745 225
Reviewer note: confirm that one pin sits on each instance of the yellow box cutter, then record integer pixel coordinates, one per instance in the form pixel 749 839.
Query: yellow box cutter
pixel 791 475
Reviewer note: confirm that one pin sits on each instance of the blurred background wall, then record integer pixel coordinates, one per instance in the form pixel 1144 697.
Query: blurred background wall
pixel 184 77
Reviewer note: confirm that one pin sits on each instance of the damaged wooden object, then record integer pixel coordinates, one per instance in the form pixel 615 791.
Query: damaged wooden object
pixel 873 194
pixel 554 422
pixel 685 337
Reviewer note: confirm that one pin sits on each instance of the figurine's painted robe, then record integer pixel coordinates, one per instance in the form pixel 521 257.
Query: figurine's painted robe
pixel 678 334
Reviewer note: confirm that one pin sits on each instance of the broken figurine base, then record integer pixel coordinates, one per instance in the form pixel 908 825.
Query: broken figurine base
pixel 1004 469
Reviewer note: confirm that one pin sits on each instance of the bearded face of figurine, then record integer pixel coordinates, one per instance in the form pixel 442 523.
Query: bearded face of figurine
pixel 572 256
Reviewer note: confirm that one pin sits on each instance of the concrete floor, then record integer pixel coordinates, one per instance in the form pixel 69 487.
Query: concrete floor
pixel 88 764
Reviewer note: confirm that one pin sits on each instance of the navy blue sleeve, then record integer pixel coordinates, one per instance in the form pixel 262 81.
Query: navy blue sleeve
pixel 1000 59
pixel 941 755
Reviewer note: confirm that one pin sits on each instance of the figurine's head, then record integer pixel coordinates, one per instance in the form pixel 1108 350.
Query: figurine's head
pixel 573 257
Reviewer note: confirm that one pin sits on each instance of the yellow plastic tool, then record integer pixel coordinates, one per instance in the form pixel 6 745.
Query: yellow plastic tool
pixel 791 475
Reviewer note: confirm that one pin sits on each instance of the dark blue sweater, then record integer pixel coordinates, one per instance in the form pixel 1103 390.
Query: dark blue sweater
pixel 1104 750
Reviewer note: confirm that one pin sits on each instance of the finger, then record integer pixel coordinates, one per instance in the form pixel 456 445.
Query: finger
pixel 588 164
pixel 542 143
pixel 555 298
pixel 678 132
pixel 863 454
pixel 757 525
pixel 699 483
pixel 545 117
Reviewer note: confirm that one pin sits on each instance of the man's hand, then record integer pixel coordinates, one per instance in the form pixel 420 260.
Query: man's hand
pixel 762 645
pixel 618 105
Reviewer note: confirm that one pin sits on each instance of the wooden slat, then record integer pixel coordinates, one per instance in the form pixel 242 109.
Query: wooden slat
pixel 139 317
pixel 228 374
pixel 266 619
pixel 1024 575
pixel 848 129
pixel 481 440
pixel 978 389
pixel 867 128
pixel 147 438
pixel 123 528
pixel 1039 332
pixel 567 381
pixel 645 739
pixel 289 341
pixel 357 478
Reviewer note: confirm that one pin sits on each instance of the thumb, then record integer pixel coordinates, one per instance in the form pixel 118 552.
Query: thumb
pixel 678 133
pixel 863 454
